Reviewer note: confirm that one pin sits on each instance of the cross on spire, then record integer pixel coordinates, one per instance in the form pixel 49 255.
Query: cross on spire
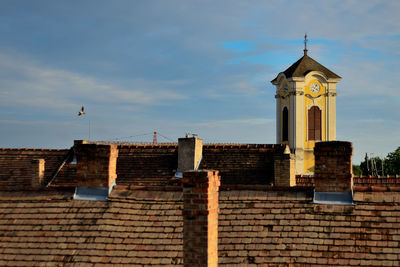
pixel 305 44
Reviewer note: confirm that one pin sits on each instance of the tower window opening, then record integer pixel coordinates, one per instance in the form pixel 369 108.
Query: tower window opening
pixel 314 123
pixel 285 124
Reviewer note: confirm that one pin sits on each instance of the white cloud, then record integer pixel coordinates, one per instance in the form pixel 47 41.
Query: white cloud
pixel 28 83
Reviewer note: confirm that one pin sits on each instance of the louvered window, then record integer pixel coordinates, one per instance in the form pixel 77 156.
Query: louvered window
pixel 285 124
pixel 314 123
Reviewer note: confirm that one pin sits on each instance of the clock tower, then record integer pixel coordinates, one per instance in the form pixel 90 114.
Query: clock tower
pixel 305 108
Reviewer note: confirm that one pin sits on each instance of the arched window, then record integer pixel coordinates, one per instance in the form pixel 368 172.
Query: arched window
pixel 285 124
pixel 314 123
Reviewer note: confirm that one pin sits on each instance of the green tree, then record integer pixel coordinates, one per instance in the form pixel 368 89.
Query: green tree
pixel 356 170
pixel 392 162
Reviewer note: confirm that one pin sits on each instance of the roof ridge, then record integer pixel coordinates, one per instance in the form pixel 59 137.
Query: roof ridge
pixel 304 65
pixel 31 149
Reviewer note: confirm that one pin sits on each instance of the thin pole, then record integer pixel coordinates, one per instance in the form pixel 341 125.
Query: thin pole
pixel 305 44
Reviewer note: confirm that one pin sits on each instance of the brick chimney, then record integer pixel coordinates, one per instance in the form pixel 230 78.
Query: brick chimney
pixel 96 164
pixel 284 169
pixel 189 153
pixel 333 166
pixel 200 214
pixel 37 172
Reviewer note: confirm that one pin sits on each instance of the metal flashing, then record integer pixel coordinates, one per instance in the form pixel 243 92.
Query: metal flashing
pixel 198 164
pixel 178 174
pixel 92 193
pixel 333 198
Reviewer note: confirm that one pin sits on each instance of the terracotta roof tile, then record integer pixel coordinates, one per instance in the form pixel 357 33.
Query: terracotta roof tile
pixel 241 163
pixel 54 229
pixel 145 227
pixel 15 165
pixel 294 231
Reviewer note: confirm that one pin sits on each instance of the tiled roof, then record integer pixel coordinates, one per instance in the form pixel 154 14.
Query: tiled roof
pixel 138 227
pixel 285 228
pixel 360 183
pixel 241 163
pixel 15 165
pixel 305 65
pixel 146 164
pixel 134 228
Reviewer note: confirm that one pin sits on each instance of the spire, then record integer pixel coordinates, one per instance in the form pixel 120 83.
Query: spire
pixel 305 44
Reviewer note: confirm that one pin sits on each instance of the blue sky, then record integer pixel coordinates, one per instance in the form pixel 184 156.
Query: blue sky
pixel 190 66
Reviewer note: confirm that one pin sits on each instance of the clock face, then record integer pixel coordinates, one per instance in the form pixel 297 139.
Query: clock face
pixel 314 88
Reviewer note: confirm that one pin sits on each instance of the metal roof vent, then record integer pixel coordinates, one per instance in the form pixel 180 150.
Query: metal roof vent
pixel 333 198
pixel 92 193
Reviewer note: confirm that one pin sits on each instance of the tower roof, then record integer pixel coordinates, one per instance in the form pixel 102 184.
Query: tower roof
pixel 303 66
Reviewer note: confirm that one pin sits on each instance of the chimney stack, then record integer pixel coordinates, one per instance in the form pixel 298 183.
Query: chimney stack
pixel 189 153
pixel 284 169
pixel 96 164
pixel 333 166
pixel 37 172
pixel 200 215
pixel 333 174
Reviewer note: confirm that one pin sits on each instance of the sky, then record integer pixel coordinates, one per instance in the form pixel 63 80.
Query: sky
pixel 200 67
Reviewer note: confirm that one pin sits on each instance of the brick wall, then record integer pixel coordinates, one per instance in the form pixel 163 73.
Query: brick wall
pixel 241 163
pixel 333 166
pixel 200 215
pixel 96 164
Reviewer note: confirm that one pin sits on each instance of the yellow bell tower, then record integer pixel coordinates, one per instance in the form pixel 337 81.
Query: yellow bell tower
pixel 305 108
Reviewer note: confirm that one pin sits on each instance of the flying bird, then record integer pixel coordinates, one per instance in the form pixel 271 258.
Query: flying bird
pixel 82 111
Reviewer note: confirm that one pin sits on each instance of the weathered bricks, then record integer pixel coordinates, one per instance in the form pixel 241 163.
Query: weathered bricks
pixel 284 170
pixel 333 166
pixel 96 164
pixel 200 214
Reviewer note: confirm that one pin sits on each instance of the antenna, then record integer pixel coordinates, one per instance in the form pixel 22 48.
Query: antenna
pixel 305 44
pixel 367 161
pixel 155 138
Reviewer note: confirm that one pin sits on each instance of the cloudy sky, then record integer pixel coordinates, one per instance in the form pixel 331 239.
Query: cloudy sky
pixel 190 66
